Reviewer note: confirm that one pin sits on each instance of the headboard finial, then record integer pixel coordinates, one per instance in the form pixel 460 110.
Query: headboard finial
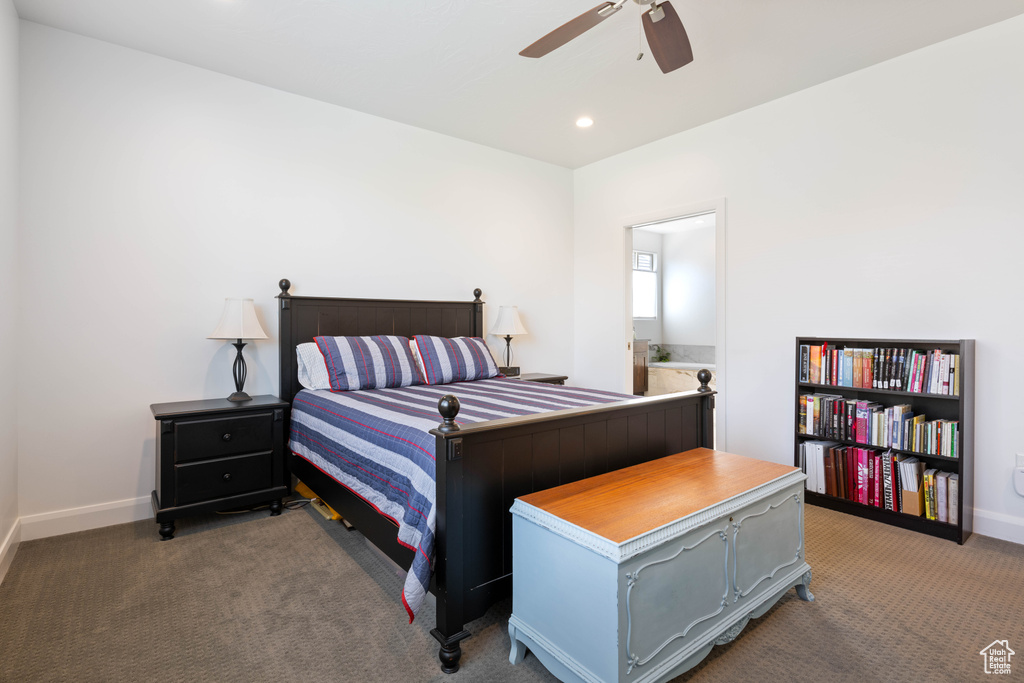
pixel 285 285
pixel 476 293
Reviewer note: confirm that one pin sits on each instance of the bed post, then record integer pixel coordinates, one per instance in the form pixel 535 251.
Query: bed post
pixel 449 550
pixel 478 313
pixel 284 326
pixel 707 417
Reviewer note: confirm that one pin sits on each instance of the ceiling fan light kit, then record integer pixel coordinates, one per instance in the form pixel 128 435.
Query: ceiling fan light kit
pixel 664 30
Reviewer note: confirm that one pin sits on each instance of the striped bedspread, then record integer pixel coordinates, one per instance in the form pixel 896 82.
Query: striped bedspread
pixel 376 443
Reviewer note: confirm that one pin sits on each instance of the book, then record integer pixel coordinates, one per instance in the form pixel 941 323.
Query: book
pixel 871 478
pixel 837 455
pixel 851 415
pixel 943 384
pixel 858 368
pixel 916 426
pixel 929 493
pixel 805 363
pixel 862 476
pixel 810 466
pixel 802 412
pixel 941 483
pixel 823 377
pixel 814 372
pixel 953 497
pixel 830 485
pixel 807 465
pixel 848 367
pixel 878 495
pixel 887 481
pixel 896 482
pixel 820 451
pixel 851 474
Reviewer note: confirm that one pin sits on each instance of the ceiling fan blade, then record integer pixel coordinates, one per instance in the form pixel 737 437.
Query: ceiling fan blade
pixel 572 29
pixel 667 39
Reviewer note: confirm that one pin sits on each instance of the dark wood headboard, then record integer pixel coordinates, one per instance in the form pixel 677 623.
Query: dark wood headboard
pixel 303 317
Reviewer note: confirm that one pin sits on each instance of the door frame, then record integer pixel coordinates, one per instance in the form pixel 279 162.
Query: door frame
pixel 666 214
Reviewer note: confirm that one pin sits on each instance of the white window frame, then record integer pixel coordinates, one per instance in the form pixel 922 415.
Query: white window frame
pixel 640 267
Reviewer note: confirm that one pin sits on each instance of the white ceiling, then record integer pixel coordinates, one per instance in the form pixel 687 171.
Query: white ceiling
pixel 452 66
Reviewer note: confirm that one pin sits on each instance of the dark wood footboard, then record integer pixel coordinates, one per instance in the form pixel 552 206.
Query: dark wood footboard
pixel 482 468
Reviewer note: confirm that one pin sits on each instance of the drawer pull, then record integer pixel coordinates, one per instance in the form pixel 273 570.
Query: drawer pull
pixel 227 477
pixel 226 437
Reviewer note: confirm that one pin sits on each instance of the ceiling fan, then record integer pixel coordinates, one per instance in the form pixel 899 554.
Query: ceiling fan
pixel 665 33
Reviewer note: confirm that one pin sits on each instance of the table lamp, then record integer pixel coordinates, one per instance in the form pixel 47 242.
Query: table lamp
pixel 508 325
pixel 238 322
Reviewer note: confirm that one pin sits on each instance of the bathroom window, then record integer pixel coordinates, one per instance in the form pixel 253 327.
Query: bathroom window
pixel 645 285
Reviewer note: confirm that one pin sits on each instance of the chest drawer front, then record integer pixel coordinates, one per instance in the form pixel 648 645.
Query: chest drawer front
pixel 221 436
pixel 212 479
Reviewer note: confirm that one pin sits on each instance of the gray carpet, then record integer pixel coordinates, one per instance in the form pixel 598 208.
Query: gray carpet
pixel 257 598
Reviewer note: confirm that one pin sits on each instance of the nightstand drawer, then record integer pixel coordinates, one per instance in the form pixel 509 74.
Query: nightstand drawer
pixel 218 437
pixel 222 477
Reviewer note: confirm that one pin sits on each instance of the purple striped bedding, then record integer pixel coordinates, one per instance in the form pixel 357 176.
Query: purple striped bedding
pixel 376 443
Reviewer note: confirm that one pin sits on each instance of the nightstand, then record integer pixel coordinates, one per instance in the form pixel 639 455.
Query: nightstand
pixel 543 377
pixel 215 454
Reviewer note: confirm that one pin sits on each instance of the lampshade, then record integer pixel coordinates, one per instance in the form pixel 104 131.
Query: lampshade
pixel 508 323
pixel 238 321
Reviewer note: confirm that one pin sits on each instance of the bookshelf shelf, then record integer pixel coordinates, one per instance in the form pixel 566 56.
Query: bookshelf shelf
pixel 923 525
pixel 846 442
pixel 889 392
pixel 943 407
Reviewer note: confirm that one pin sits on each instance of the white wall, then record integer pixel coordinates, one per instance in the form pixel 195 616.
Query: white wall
pixel 900 184
pixel 151 190
pixel 9 535
pixel 688 286
pixel 646 328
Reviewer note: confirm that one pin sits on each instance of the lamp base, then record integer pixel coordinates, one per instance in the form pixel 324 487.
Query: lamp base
pixel 510 371
pixel 239 396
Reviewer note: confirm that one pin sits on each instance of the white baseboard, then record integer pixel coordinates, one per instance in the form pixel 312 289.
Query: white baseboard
pixel 86 517
pixel 8 547
pixel 998 525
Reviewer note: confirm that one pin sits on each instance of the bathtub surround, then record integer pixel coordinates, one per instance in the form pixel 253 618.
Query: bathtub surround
pixel 690 353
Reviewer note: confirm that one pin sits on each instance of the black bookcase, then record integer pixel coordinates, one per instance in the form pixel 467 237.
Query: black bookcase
pixel 934 406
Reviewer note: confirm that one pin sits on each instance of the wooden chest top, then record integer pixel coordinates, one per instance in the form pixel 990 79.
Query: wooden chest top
pixel 626 503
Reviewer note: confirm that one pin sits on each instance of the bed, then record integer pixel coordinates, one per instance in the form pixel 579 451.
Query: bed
pixel 480 467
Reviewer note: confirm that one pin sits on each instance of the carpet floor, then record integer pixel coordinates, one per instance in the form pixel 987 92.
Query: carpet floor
pixel 257 598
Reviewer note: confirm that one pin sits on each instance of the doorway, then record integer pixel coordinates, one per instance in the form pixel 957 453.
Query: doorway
pixel 675 302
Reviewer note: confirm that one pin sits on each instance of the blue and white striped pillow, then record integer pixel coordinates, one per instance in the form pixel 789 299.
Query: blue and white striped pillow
pixel 444 360
pixel 368 362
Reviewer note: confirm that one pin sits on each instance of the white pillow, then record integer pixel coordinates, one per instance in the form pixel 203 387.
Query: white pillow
pixel 312 369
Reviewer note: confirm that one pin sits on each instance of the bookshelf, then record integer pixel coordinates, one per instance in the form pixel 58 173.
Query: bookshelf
pixel 957 408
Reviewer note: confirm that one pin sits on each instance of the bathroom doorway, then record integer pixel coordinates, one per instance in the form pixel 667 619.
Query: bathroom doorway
pixel 675 302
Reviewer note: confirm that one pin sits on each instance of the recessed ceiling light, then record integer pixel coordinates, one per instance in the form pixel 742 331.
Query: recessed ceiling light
pixel 584 122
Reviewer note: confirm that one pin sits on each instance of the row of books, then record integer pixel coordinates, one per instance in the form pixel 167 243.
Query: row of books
pixel 835 417
pixel 881 479
pixel 912 370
